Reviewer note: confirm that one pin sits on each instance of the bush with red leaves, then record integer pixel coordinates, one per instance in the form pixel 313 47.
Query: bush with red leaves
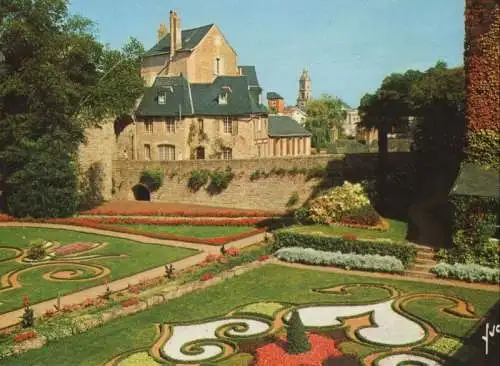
pixel 263 258
pixel 183 213
pixel 322 348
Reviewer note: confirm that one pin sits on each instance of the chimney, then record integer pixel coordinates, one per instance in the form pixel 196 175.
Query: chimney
pixel 162 31
pixel 175 33
pixel 172 34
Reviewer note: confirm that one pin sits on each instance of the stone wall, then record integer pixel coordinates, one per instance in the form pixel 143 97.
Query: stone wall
pixel 270 193
pixel 95 160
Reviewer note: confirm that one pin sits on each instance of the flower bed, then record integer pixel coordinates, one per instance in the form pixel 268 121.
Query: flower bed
pixel 129 302
pixel 73 248
pixel 343 260
pixel 21 337
pixel 183 213
pixel 404 252
pixel 248 221
pixel 322 348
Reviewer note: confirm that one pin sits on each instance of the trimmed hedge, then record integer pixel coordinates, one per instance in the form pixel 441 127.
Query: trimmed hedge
pixel 406 253
pixel 379 263
pixel 467 272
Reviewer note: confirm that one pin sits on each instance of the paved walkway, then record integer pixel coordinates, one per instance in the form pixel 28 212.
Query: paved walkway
pixel 11 318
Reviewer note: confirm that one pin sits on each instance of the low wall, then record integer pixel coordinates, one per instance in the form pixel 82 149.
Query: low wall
pixel 271 193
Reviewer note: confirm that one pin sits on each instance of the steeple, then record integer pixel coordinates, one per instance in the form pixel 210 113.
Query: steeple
pixel 305 90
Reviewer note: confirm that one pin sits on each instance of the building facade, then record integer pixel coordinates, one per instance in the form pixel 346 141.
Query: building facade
pixel 351 122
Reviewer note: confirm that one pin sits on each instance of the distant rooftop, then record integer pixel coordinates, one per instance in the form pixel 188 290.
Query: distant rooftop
pixel 273 96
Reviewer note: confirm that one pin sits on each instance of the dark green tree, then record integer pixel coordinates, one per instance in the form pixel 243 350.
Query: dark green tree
pixel 56 80
pixel 296 335
pixel 323 115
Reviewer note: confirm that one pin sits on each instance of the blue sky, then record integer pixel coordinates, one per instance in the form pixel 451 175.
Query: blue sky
pixel 348 46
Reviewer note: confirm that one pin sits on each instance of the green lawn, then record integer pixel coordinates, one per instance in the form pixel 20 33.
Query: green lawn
pixel 139 257
pixel 191 230
pixel 397 230
pixel 274 283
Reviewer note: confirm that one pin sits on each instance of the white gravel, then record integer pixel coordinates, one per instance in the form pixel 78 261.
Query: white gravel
pixel 395 360
pixel 183 334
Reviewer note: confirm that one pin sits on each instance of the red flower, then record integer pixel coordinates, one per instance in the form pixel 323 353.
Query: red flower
pixel 272 354
pixel 232 252
pixel 263 258
pixel 72 248
pixel 26 301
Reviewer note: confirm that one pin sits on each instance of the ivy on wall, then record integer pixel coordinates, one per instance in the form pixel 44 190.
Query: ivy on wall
pixel 482 66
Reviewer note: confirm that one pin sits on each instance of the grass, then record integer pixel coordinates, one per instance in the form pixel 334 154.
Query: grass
pixel 396 231
pixel 139 257
pixel 190 230
pixel 274 283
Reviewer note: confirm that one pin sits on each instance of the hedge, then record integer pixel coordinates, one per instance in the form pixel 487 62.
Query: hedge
pixel 404 252
pixel 467 272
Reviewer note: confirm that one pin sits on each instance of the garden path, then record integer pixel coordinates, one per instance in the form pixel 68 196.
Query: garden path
pixel 13 317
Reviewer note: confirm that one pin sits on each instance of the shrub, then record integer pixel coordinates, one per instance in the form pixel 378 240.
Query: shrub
pixel 467 272
pixel 301 215
pixel 152 179
pixel 36 249
pixel 365 215
pixel 197 179
pixel 330 207
pixel 406 253
pixel 257 174
pixel 296 335
pixel 220 179
pixel 293 200
pixel 316 172
pixel 344 260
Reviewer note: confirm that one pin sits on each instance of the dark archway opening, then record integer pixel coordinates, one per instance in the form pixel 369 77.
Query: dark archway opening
pixel 141 193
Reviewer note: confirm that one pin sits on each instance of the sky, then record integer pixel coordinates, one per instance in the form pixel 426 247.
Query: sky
pixel 348 46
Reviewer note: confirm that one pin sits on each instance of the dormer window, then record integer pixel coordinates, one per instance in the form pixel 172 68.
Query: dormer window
pixel 162 97
pixel 223 95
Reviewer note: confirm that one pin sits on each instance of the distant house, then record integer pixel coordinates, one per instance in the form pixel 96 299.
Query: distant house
pixel 296 114
pixel 275 103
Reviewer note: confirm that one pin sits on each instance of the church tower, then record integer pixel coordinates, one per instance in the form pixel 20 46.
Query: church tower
pixel 305 90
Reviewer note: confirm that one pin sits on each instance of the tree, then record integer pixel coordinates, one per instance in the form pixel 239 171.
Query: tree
pixel 439 104
pixel 56 80
pixel 296 335
pixel 323 115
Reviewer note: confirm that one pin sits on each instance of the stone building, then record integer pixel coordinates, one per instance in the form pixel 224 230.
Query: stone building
pixel 305 90
pixel 351 121
pixel 198 104
pixel 296 114
pixel 275 103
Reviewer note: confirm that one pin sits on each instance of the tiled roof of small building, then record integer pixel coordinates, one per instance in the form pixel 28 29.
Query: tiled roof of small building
pixel 281 126
pixel 200 99
pixel 474 180
pixel 273 96
pixel 190 39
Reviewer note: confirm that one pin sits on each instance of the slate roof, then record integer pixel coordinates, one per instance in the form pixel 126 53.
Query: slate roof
pixel 273 96
pixel 200 99
pixel 251 74
pixel 190 39
pixel 476 181
pixel 280 126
